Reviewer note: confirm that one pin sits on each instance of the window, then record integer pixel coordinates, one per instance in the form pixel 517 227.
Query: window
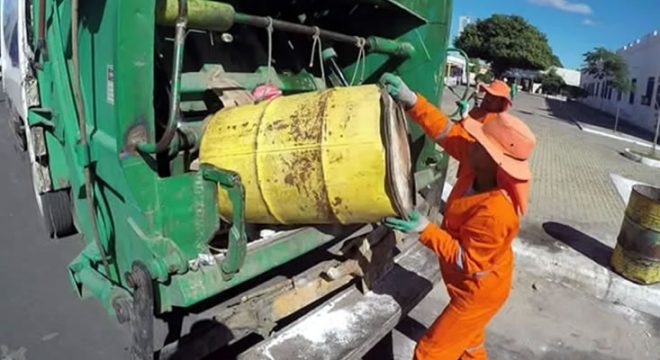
pixel 609 92
pixel 597 87
pixel 633 88
pixel 657 96
pixel 619 95
pixel 650 84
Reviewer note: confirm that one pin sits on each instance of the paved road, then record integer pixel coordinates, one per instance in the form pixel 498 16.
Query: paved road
pixel 40 314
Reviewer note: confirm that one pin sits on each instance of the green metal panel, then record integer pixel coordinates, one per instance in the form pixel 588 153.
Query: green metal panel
pixel 424 72
pixel 198 285
pixel 165 221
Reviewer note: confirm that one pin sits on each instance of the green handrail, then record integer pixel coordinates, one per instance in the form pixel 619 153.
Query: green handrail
pixel 466 93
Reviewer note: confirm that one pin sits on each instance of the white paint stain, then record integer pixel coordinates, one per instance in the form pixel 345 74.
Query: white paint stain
pixel 331 326
pixel 7 354
pixel 49 337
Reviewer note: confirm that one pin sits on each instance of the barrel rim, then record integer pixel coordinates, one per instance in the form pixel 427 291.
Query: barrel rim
pixel 647 192
pixel 393 123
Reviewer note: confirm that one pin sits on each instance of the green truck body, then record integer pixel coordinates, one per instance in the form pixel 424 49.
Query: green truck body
pixel 148 212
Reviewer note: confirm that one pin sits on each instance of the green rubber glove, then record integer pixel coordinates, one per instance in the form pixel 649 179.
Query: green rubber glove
pixel 398 89
pixel 463 107
pixel 415 224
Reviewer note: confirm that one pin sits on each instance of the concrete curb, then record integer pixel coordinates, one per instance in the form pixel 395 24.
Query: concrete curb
pixel 646 160
pixel 588 276
pixel 612 136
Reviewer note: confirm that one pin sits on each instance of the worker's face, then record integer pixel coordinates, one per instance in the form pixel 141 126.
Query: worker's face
pixel 494 104
pixel 481 161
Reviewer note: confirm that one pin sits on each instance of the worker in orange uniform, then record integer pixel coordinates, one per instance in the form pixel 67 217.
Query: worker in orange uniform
pixel 481 219
pixel 496 100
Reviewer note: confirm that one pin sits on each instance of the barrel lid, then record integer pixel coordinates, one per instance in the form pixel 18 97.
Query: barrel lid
pixel 400 185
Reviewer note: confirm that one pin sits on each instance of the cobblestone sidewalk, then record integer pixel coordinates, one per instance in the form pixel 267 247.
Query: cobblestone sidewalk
pixel 572 185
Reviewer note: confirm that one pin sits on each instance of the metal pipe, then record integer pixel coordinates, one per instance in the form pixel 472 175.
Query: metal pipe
pixel 82 124
pixel 201 14
pixel 263 22
pixel 329 56
pixel 221 16
pixel 373 43
pixel 175 96
pixel 41 39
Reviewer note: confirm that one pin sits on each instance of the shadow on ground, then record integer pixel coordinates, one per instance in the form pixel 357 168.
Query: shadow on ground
pixel 576 112
pixel 581 242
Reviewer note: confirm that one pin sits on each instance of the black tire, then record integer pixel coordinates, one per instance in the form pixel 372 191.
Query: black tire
pixel 17 128
pixel 58 213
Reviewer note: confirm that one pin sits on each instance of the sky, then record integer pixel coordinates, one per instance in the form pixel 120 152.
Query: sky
pixel 573 27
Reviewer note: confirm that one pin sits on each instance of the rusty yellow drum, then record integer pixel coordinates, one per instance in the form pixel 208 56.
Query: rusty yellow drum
pixel 637 253
pixel 335 156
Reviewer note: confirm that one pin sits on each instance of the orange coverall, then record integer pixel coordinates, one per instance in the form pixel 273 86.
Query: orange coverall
pixel 473 247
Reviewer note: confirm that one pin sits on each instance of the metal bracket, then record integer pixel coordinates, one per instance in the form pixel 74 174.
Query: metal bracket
pixel 368 258
pixel 41 117
pixel 82 154
pixel 230 181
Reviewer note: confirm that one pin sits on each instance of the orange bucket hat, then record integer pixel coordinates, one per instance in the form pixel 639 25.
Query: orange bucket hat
pixel 508 140
pixel 498 88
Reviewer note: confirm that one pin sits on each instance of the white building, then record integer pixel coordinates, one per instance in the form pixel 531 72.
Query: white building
pixel 639 106
pixel 455 73
pixel 571 77
pixel 526 77
pixel 463 21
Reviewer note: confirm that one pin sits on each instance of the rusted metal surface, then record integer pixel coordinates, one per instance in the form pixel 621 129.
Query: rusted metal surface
pixel 637 254
pixel 314 158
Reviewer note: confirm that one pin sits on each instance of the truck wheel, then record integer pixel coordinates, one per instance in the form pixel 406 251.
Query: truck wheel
pixel 16 125
pixel 57 213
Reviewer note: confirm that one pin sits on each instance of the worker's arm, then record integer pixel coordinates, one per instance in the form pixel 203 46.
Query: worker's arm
pixel 452 137
pixel 479 242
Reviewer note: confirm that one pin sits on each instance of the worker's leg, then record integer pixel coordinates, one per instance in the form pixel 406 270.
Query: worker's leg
pixel 476 350
pixel 452 333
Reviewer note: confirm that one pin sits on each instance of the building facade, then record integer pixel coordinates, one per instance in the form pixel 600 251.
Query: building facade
pixel 639 106
pixel 456 73
pixel 571 77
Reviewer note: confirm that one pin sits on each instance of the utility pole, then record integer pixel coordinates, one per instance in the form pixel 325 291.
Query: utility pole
pixel 657 132
pixel 616 120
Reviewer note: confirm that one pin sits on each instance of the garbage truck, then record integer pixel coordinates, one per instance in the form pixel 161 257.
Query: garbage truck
pixel 113 102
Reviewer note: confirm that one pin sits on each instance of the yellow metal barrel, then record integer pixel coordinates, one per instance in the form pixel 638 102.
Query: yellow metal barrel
pixel 335 156
pixel 637 253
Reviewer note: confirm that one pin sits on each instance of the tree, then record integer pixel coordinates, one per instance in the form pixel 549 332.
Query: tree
pixel 507 42
pixel 555 61
pixel 474 66
pixel 575 92
pixel 551 82
pixel 603 64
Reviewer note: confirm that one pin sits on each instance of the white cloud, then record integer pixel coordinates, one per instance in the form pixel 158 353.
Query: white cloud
pixel 589 22
pixel 565 5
